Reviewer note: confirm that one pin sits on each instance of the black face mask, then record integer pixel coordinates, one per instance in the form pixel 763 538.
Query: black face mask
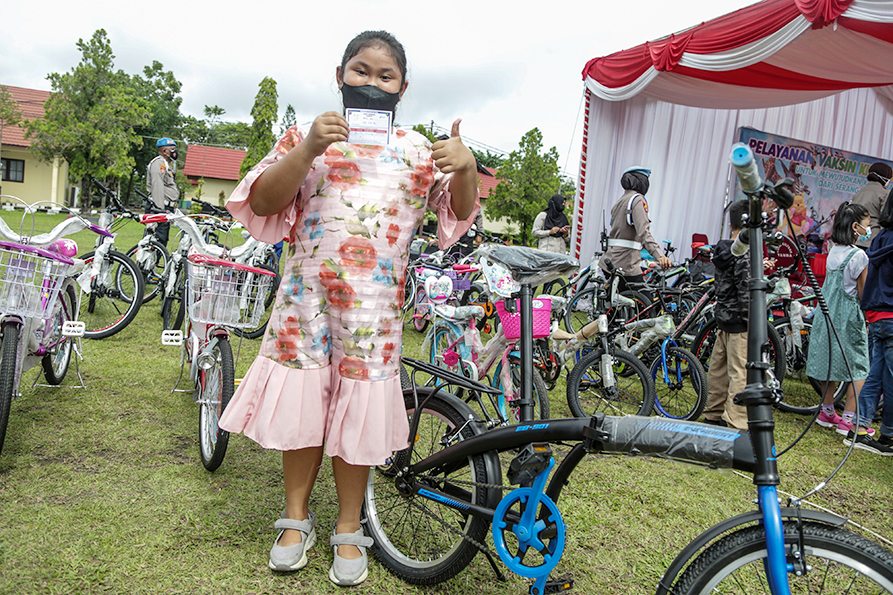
pixel 173 155
pixel 368 97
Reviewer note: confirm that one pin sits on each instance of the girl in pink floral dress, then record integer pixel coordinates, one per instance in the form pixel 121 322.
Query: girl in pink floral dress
pixel 328 369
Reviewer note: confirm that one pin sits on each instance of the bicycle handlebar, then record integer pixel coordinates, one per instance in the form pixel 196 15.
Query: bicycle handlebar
pixel 67 227
pixel 191 229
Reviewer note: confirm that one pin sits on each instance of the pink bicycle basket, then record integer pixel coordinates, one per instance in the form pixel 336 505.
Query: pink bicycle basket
pixel 511 322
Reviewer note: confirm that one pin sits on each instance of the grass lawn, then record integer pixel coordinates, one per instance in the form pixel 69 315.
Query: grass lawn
pixel 102 491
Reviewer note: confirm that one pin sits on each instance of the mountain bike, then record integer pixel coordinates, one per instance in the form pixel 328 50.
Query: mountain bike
pixel 429 507
pixel 221 295
pixel 38 304
pixel 111 282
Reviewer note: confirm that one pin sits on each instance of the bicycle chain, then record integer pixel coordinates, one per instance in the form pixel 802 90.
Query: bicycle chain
pixel 480 546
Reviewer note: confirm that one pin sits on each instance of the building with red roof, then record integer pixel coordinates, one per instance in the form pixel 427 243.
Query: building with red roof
pixel 23 174
pixel 213 171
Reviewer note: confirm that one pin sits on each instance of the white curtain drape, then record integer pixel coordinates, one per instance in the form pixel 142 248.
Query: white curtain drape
pixel 688 148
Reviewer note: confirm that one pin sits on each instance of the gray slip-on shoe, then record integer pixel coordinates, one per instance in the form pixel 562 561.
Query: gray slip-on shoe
pixel 347 573
pixel 287 558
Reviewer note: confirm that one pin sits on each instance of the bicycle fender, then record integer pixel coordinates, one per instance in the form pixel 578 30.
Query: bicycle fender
pixel 747 518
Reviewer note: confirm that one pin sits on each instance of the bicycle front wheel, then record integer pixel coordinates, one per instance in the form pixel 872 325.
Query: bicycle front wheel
pixel 682 394
pixel 417 539
pixel 153 267
pixel 215 388
pixel 9 347
pixel 55 362
pixel 836 560
pixel 111 304
pixel 630 393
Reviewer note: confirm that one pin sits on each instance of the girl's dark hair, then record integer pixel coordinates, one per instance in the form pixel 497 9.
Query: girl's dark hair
pixel 847 214
pixel 634 180
pixel 736 213
pixel 371 39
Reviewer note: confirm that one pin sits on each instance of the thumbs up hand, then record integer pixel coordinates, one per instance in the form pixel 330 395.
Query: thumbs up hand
pixel 452 155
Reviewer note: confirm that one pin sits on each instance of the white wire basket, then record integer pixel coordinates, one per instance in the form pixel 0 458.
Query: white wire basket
pixel 30 279
pixel 226 293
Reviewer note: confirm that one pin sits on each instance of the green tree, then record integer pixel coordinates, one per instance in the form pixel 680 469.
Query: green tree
pixel 160 89
pixel 92 116
pixel 264 113
pixel 235 135
pixel 426 132
pixel 488 159
pixel 288 119
pixel 10 115
pixel 528 178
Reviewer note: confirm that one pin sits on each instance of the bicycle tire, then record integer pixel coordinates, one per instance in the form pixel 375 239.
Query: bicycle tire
pixel 416 539
pixel 540 391
pixel 679 402
pixel 580 310
pixel 419 323
pixel 215 387
pixel 702 347
pixel 9 347
pixel 171 320
pixel 802 394
pixel 55 362
pixel 153 277
pixel 111 309
pixel 269 300
pixel 634 390
pixel 838 561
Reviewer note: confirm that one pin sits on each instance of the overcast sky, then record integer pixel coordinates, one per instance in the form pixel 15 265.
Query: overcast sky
pixel 503 67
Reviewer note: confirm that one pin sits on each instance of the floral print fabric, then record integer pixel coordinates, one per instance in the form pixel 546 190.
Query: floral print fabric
pixel 342 290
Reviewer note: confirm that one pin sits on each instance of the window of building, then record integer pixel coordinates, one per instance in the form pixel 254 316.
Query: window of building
pixel 13 170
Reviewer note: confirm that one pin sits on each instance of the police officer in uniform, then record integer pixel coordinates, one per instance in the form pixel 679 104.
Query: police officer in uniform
pixel 630 229
pixel 160 184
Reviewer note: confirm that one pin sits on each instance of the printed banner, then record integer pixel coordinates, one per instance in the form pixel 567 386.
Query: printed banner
pixel 823 178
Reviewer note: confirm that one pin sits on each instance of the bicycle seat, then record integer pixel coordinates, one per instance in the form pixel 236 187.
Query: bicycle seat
pixel 531 266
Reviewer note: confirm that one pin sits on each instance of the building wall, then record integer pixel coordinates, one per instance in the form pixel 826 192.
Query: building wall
pixel 42 181
pixel 211 191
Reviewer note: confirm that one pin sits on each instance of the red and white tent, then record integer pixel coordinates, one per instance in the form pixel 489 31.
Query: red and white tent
pixel 814 70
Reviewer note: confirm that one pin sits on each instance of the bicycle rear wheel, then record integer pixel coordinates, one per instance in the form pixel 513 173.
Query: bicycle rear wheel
pixel 632 392
pixel 540 392
pixel 415 538
pixel 9 347
pixel 802 394
pixel 580 310
pixel 215 388
pixel 683 394
pixel 837 561
pixel 110 301
pixel 55 362
pixel 153 267
pixel 173 307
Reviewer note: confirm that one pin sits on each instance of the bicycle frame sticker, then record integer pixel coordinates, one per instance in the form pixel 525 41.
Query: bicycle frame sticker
pixel 714 432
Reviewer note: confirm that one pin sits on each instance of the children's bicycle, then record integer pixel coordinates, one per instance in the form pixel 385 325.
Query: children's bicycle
pixel 38 304
pixel 221 295
pixel 111 281
pixel 430 508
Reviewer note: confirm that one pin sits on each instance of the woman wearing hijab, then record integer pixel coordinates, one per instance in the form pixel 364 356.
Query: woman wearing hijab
pixel 551 227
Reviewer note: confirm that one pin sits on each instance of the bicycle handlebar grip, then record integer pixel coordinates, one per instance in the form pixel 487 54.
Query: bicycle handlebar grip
pixel 746 168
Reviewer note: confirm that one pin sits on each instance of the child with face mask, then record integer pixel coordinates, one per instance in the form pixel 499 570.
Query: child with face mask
pixel 327 376
pixel 846 272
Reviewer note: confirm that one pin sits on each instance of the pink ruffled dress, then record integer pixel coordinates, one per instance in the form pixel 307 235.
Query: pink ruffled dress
pixel 328 368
